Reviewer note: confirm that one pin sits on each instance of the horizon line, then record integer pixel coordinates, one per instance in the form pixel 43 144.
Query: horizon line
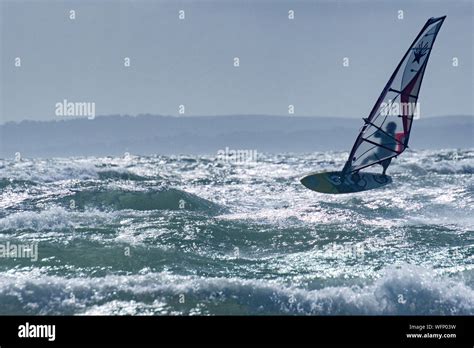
pixel 76 118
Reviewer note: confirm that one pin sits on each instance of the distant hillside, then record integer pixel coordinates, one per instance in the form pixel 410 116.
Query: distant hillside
pixel 147 134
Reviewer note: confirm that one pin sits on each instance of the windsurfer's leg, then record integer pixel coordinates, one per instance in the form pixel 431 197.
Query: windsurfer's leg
pixel 385 165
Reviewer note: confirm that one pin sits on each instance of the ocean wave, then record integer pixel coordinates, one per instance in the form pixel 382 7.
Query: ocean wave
pixel 437 168
pixel 439 162
pixel 122 175
pixel 10 182
pixel 52 219
pixel 153 199
pixel 409 290
pixel 456 168
pixel 53 170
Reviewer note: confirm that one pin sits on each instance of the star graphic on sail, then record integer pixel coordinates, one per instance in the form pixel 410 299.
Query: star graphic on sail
pixel 420 51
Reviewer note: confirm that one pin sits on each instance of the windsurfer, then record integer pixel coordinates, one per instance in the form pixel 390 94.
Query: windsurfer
pixel 388 142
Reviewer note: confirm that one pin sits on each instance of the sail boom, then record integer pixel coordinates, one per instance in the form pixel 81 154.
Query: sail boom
pixel 400 92
pixel 381 130
pixel 382 146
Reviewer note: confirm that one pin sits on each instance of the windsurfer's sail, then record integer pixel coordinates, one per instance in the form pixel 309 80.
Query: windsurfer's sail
pixel 387 129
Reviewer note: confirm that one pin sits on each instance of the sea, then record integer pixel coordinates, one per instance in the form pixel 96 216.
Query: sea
pixel 199 235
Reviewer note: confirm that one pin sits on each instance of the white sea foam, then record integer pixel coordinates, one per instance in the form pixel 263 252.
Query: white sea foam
pixel 53 219
pixel 405 290
pixel 60 169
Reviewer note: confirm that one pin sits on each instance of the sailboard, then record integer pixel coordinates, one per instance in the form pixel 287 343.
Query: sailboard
pixel 386 131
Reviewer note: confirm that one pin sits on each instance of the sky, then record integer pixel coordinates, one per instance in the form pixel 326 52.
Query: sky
pixel 190 62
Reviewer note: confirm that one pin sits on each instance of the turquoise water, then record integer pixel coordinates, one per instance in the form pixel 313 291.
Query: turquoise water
pixel 194 236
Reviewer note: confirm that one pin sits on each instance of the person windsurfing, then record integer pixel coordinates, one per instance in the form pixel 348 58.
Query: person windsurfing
pixel 382 138
pixel 389 144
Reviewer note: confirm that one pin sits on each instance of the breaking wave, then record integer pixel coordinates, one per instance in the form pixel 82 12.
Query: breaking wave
pixel 408 290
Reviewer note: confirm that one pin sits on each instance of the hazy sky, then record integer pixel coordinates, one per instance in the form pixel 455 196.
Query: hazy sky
pixel 190 61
